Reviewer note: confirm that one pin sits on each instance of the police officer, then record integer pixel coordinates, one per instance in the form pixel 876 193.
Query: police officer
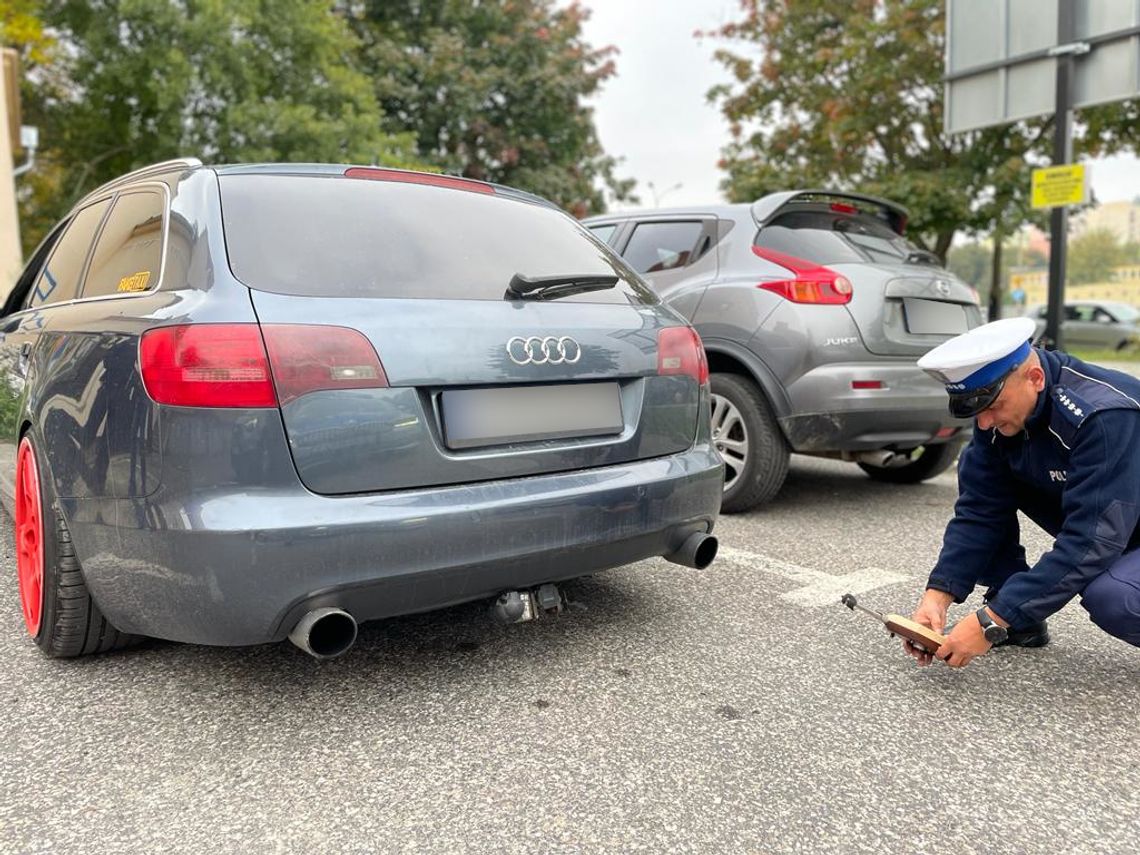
pixel 1059 440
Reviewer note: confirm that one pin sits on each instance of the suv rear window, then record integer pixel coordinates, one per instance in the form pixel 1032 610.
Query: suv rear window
pixel 827 237
pixel 345 237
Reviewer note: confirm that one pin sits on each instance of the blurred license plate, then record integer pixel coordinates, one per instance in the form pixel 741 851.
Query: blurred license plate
pixel 927 317
pixel 474 417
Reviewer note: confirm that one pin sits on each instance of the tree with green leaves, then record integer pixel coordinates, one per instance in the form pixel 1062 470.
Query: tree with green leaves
pixel 494 90
pixel 1093 255
pixel 139 81
pixel 850 96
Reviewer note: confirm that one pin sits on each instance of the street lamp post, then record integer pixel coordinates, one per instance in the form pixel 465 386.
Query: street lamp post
pixel 658 196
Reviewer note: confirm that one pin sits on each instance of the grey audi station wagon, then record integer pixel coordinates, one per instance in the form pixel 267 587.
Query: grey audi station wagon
pixel 245 403
pixel 813 308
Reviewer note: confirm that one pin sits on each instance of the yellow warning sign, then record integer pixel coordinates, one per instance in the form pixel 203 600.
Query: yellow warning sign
pixel 1056 186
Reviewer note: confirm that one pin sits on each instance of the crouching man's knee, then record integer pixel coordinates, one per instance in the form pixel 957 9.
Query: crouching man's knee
pixel 1114 606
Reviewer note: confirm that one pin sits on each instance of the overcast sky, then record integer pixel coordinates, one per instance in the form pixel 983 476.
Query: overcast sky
pixel 653 113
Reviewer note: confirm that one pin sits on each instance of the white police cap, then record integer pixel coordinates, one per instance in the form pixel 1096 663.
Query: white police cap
pixel 973 366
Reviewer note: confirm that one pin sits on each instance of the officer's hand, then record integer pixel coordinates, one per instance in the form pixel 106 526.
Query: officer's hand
pixel 931 612
pixel 965 641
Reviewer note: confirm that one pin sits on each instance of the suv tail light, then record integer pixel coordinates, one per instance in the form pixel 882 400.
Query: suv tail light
pixel 812 283
pixel 679 351
pixel 230 365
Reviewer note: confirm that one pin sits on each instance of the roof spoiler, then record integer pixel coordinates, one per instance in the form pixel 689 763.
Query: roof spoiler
pixel 765 210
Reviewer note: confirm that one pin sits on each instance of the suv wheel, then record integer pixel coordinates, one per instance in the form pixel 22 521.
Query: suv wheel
pixel 926 462
pixel 58 610
pixel 749 441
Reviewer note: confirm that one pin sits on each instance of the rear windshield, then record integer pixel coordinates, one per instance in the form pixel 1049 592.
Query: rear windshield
pixel 827 237
pixel 346 237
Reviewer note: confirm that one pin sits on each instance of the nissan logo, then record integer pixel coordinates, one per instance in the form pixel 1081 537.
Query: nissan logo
pixel 539 350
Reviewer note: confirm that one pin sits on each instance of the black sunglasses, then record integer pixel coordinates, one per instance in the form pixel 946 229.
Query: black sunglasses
pixel 969 404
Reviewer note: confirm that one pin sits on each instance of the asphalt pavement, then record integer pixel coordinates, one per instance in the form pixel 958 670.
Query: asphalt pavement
pixel 736 709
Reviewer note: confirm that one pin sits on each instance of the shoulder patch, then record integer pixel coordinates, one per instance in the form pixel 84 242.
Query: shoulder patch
pixel 1068 413
pixel 1080 397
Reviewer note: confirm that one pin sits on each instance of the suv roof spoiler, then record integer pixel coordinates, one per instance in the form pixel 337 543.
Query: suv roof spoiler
pixel 765 209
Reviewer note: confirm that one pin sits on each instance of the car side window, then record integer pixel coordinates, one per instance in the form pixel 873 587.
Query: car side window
pixel 662 246
pixel 604 233
pixel 1084 313
pixel 128 254
pixel 59 280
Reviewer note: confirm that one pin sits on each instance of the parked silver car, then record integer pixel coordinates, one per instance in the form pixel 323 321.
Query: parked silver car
pixel 249 402
pixel 1100 324
pixel 813 308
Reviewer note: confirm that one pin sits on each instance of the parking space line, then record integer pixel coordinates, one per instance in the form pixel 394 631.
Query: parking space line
pixel 816 588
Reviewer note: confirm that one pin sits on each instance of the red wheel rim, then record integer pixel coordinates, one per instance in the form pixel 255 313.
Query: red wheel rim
pixel 29 537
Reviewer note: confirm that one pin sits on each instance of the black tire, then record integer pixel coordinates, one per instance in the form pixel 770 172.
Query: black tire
pixel 932 460
pixel 71 624
pixel 765 465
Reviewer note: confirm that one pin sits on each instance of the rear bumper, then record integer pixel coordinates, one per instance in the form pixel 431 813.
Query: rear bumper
pixel 233 568
pixel 829 415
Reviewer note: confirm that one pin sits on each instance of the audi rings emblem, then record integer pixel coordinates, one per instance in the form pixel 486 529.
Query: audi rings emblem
pixel 543 350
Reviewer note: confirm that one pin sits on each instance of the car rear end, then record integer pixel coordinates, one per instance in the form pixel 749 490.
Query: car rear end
pixel 857 304
pixel 403 425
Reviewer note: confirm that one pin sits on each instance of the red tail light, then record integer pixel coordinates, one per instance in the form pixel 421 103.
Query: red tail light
pixel 313 358
pixel 431 179
pixel 228 365
pixel 679 351
pixel 812 283
pixel 206 365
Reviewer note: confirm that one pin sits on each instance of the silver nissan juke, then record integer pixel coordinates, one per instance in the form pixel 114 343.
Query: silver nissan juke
pixel 813 307
pixel 245 403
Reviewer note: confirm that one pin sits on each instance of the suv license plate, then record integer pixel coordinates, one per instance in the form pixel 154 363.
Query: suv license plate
pixel 931 317
pixel 498 416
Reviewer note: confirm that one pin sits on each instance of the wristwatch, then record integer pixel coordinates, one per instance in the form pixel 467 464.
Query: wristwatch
pixel 995 633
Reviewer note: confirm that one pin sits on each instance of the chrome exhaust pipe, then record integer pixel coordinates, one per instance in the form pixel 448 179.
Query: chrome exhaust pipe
pixel 697 551
pixel 325 633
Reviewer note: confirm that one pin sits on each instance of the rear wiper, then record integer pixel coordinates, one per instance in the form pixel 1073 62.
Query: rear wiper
pixel 922 256
pixel 552 287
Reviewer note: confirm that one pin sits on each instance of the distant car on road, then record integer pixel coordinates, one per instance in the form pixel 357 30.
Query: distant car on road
pixel 249 402
pixel 813 308
pixel 1094 323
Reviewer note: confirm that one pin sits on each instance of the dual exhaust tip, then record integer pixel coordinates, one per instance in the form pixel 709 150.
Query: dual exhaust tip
pixel 329 632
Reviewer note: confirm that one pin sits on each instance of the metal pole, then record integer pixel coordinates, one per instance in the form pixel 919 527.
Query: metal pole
pixel 1062 153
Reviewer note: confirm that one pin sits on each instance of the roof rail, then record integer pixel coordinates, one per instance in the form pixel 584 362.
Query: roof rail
pixel 144 171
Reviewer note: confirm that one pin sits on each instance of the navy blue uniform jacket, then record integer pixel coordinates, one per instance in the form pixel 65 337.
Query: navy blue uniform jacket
pixel 1075 471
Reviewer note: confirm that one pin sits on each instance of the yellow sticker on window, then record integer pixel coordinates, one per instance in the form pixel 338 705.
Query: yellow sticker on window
pixel 136 282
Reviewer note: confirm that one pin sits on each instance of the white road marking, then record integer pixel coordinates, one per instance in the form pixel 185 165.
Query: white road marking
pixel 816 588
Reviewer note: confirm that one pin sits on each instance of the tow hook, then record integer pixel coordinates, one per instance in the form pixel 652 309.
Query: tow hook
pixel 522 606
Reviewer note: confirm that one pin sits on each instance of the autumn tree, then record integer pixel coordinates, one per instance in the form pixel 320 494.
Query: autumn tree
pixel 850 95
pixel 494 90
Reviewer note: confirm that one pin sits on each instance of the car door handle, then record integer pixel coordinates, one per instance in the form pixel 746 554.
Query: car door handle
pixel 25 352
